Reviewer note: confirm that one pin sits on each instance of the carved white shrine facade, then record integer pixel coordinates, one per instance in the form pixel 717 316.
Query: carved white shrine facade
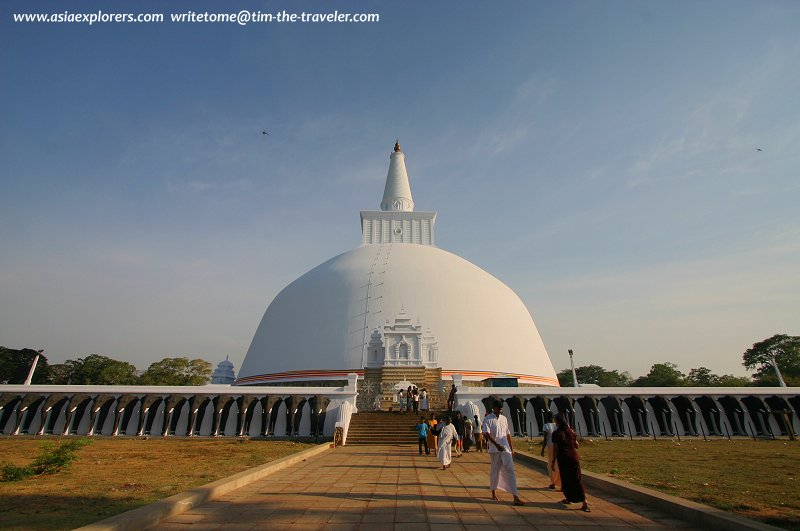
pixel 402 343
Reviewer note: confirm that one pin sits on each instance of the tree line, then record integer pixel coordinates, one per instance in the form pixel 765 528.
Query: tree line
pixel 96 369
pixel 781 350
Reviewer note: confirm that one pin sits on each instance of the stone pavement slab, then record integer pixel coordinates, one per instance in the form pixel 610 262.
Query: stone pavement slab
pixel 393 487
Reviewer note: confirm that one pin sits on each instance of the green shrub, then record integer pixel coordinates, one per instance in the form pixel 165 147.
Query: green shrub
pixel 50 460
pixel 10 472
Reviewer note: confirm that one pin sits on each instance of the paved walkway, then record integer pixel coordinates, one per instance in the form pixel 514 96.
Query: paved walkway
pixel 392 487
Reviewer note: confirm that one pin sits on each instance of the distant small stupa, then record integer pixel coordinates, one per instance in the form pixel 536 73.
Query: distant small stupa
pixel 224 373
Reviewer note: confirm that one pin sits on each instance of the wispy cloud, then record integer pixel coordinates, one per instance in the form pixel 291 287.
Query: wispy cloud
pixel 713 306
pixel 199 187
pixel 745 275
pixel 536 90
pixel 723 124
pixel 515 123
pixel 359 174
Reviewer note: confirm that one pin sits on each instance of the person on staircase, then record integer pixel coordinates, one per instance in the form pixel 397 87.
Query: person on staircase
pixel 451 398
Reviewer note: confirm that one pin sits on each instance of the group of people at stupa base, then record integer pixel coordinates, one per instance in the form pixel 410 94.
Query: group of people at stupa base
pixel 410 400
pixel 455 433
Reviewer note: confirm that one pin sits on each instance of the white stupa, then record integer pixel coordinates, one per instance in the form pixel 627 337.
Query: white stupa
pixel 396 301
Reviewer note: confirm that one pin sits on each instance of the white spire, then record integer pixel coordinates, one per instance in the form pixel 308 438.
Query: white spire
pixel 397 194
pixel 396 221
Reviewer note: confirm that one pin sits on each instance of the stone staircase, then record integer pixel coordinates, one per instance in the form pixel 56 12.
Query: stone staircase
pixel 383 427
pixel 384 379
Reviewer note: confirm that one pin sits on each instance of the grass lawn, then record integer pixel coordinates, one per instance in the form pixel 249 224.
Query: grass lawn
pixel 757 479
pixel 115 475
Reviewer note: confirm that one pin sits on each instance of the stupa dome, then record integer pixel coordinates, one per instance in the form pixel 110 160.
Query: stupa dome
pixel 315 328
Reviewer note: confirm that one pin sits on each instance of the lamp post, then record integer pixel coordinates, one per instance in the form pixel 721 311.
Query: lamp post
pixel 39 353
pixel 574 375
pixel 778 372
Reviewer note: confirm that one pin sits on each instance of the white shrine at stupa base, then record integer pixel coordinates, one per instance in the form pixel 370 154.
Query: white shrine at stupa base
pixel 396 308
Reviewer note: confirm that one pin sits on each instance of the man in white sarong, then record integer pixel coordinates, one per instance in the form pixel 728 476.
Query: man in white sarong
pixel 446 438
pixel 501 452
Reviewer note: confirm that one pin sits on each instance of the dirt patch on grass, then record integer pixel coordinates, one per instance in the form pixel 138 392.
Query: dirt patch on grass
pixel 113 475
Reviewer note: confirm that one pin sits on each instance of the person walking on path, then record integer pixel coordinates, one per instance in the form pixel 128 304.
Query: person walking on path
pixel 501 452
pixel 446 438
pixel 401 399
pixel 422 432
pixel 477 432
pixel 458 424
pixel 415 398
pixel 468 428
pixel 547 447
pixel 409 399
pixel 424 404
pixel 432 433
pixel 569 464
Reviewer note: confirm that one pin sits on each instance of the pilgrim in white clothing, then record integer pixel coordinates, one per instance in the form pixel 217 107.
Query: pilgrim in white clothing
pixel 446 438
pixel 498 436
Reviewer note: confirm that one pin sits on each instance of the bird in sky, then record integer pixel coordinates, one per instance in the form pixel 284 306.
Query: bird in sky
pixel 759 149
pixel 265 133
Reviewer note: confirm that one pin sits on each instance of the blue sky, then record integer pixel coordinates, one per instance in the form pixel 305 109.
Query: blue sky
pixel 598 157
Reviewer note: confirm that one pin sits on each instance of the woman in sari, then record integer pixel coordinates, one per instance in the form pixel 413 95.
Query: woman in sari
pixel 446 438
pixel 432 433
pixel 565 452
